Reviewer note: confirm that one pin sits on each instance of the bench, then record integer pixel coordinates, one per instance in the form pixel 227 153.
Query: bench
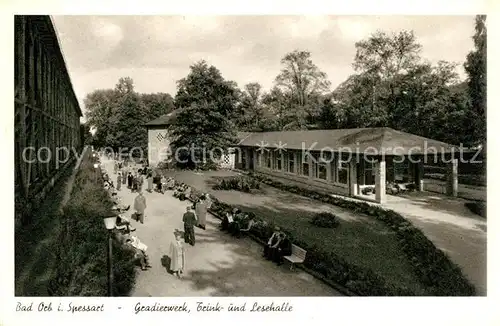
pixel 297 257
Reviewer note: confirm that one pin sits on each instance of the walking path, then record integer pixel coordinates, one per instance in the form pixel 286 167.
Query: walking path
pixel 452 227
pixel 218 265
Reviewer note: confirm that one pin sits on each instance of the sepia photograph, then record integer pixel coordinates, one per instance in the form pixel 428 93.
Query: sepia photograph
pixel 250 156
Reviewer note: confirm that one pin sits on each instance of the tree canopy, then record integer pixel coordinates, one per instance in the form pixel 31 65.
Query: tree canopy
pixel 118 115
pixel 209 105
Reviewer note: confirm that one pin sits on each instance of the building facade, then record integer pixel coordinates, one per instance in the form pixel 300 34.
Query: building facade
pixel 351 162
pixel 47 113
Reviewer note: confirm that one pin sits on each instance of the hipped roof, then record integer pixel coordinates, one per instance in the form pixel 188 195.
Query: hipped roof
pixel 376 141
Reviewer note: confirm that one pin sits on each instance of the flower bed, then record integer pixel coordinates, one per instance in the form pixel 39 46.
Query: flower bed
pixel 433 267
pixel 240 183
pixel 82 255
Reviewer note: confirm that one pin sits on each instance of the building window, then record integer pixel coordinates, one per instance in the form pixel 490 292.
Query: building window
pixel 319 167
pixel 342 172
pixel 305 165
pixel 278 160
pixel 269 162
pixel 322 171
pixel 401 169
pixel 291 162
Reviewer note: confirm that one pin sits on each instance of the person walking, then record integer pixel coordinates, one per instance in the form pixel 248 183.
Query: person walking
pixel 150 182
pixel 140 181
pixel 201 212
pixel 189 220
pixel 130 178
pixel 177 256
pixel 140 207
pixel 119 181
pixel 124 176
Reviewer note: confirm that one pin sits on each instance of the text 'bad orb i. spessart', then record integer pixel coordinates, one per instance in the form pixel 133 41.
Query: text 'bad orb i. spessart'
pixel 157 307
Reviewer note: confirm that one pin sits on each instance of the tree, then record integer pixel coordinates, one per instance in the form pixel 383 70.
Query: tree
pixel 356 103
pixel 383 58
pixel 118 115
pixel 301 83
pixel 100 107
pixel 157 104
pixel 209 107
pixel 125 85
pixel 255 115
pixel 475 66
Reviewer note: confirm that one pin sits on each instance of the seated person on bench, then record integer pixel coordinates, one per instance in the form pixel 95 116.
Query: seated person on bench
pixel 272 244
pixel 284 249
pixel 243 225
pixel 140 251
pixel 186 194
pixel 180 189
pixel 170 183
pixel 123 224
pixel 182 192
pixel 228 220
pixel 118 203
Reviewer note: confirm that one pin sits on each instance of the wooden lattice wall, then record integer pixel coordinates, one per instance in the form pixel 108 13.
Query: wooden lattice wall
pixel 47 113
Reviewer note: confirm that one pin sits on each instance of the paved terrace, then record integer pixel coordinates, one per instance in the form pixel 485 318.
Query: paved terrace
pixel 218 265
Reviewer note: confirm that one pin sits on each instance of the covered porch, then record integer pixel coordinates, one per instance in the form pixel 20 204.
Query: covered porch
pixel 383 178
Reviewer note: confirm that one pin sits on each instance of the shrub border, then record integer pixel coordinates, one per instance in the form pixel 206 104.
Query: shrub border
pixel 424 256
pixel 123 259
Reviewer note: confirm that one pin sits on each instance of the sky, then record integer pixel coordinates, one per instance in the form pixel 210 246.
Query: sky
pixel 156 51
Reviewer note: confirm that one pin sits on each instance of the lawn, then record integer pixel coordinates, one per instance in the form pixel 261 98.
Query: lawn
pixel 361 240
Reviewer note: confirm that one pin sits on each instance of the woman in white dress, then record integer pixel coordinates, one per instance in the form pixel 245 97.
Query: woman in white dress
pixel 177 256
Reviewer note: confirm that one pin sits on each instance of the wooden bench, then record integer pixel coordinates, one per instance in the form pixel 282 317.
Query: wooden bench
pixel 297 257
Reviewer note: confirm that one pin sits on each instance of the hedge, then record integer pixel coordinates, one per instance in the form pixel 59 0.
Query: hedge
pixel 240 183
pixel 477 207
pixel 82 267
pixel 432 266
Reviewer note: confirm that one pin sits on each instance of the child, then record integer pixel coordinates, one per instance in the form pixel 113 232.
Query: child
pixel 177 256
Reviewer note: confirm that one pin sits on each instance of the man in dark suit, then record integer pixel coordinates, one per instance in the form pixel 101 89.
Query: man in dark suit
pixel 272 244
pixel 284 249
pixel 190 221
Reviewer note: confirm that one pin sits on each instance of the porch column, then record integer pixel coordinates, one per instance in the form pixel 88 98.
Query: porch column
pixel 420 175
pixel 380 196
pixel 353 183
pixel 452 178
